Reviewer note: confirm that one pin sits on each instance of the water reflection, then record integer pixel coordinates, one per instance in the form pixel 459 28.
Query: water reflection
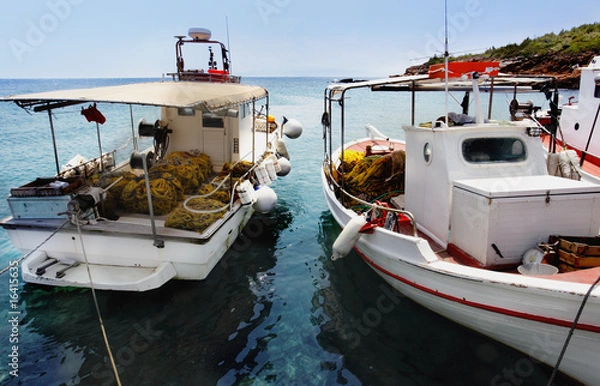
pixel 182 333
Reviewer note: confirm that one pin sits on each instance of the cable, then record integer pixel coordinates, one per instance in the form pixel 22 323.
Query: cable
pixel 571 331
pixel 36 248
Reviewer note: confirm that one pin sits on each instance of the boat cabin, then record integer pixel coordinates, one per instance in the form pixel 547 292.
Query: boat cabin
pixel 478 188
pixel 580 120
pixel 486 191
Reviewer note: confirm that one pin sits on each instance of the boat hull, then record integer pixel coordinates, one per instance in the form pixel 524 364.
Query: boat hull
pixel 532 315
pixel 122 260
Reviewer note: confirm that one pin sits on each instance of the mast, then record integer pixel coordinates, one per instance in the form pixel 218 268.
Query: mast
pixel 446 58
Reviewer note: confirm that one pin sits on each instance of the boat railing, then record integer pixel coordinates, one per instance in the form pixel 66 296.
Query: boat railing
pixel 327 168
pixel 91 167
pixel 201 76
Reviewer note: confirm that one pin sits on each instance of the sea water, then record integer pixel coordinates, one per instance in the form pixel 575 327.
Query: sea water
pixel 276 310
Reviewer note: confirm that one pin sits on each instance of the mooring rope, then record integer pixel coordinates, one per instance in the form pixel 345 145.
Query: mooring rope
pixel 571 331
pixel 104 335
pixel 36 248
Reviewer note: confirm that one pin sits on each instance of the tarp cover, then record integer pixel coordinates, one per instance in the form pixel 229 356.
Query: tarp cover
pixel 200 95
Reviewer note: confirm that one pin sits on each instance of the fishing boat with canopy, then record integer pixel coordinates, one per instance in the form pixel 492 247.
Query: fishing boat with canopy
pixel 134 219
pixel 469 217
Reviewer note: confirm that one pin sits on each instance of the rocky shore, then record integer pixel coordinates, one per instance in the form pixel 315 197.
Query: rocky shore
pixel 564 67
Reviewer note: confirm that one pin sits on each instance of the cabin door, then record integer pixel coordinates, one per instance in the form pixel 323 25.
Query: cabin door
pixel 214 146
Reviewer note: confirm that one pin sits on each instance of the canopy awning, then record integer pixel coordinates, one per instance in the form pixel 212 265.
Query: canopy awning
pixel 425 83
pixel 198 95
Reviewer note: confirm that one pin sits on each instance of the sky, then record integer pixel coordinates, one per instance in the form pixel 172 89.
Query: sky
pixel 333 38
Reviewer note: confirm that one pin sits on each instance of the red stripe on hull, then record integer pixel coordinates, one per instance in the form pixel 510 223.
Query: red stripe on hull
pixel 498 310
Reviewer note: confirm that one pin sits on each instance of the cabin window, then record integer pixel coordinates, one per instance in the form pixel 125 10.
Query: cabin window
pixel 597 91
pixel 212 121
pixel 490 150
pixel 186 111
pixel 245 109
pixel 427 153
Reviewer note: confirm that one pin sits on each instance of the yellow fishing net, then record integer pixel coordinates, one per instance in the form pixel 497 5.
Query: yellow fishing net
pixel 181 218
pixel 178 174
pixel 239 169
pixel 171 179
pixel 373 177
pixel 114 194
pixel 223 194
pixel 191 168
pixel 166 194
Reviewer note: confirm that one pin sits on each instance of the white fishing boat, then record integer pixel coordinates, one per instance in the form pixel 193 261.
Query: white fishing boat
pixel 464 218
pixel 170 211
pixel 577 122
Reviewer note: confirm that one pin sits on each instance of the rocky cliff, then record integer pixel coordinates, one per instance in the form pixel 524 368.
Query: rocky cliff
pixel 559 55
pixel 564 67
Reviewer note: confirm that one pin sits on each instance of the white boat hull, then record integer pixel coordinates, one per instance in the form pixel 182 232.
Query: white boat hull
pixel 532 315
pixel 109 255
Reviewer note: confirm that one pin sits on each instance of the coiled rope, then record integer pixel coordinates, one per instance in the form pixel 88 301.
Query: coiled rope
pixel 192 210
pixel 198 211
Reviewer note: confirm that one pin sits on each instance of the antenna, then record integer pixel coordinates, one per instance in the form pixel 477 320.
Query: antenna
pixel 228 44
pixel 446 56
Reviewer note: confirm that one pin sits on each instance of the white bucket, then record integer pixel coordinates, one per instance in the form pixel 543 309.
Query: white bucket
pixel 537 269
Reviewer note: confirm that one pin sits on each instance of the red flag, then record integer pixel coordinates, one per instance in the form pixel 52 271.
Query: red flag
pixel 92 114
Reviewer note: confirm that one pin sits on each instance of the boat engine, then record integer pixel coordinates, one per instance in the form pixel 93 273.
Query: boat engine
pixel 86 203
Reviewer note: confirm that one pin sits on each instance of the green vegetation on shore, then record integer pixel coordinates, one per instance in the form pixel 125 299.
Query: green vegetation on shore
pixel 551 54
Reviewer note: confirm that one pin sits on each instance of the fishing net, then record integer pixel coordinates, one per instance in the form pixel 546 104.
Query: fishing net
pixel 222 194
pixel 191 168
pixel 376 177
pixel 166 194
pixel 238 170
pixel 178 174
pixel 181 218
pixel 115 193
pixel 171 179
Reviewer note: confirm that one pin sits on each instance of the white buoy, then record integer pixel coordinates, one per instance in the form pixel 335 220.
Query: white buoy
pixel 273 158
pixel 281 148
pixel 284 166
pixel 270 168
pixel 245 191
pixel 266 200
pixel 292 129
pixel 262 175
pixel 348 238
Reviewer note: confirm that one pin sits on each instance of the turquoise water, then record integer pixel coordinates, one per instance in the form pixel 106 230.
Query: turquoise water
pixel 276 310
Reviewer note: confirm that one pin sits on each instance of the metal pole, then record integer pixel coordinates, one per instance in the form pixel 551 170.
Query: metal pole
pixel 135 140
pixel 254 130
pixel 412 107
pixel 446 54
pixel 99 146
pixel 54 141
pixel 587 145
pixel 491 98
pixel 268 132
pixel 157 243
